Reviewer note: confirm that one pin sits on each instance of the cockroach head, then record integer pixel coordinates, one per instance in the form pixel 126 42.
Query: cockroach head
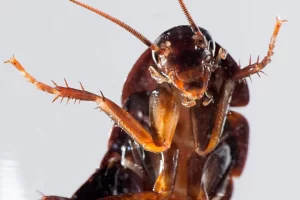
pixel 185 58
pixel 187 61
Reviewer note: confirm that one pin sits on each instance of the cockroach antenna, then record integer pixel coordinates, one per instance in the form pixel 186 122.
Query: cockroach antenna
pixel 194 26
pixel 131 30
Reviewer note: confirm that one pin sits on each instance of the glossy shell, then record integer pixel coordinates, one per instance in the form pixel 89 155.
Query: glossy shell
pixel 214 171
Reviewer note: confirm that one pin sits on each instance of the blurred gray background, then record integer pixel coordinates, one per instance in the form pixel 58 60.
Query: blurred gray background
pixel 54 148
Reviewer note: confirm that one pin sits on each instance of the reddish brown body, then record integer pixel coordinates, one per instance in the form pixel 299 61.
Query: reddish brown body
pixel 175 136
pixel 191 166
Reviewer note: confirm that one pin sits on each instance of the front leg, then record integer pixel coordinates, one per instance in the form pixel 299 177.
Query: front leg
pixel 164 111
pixel 259 65
pixel 208 121
pixel 165 181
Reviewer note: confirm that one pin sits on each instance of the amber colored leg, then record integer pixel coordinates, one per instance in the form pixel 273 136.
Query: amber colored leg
pixel 259 65
pixel 219 119
pixel 164 115
pixel 165 182
pixel 115 112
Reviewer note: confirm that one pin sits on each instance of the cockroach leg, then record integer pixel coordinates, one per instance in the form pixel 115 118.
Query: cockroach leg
pixel 133 128
pixel 256 67
pixel 218 122
pixel 30 78
pixel 131 165
pixel 59 91
pixel 164 115
pixel 165 182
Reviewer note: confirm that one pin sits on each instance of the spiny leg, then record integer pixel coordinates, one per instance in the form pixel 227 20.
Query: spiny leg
pixel 133 128
pixel 259 65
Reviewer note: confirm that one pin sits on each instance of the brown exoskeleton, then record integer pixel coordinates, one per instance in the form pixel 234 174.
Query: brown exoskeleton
pixel 175 137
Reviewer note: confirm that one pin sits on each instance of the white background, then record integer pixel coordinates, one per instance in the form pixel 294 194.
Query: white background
pixel 54 148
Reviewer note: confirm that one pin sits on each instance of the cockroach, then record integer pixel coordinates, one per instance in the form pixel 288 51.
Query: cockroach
pixel 175 136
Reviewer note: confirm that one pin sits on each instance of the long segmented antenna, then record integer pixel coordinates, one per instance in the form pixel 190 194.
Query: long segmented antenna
pixel 194 27
pixel 131 30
